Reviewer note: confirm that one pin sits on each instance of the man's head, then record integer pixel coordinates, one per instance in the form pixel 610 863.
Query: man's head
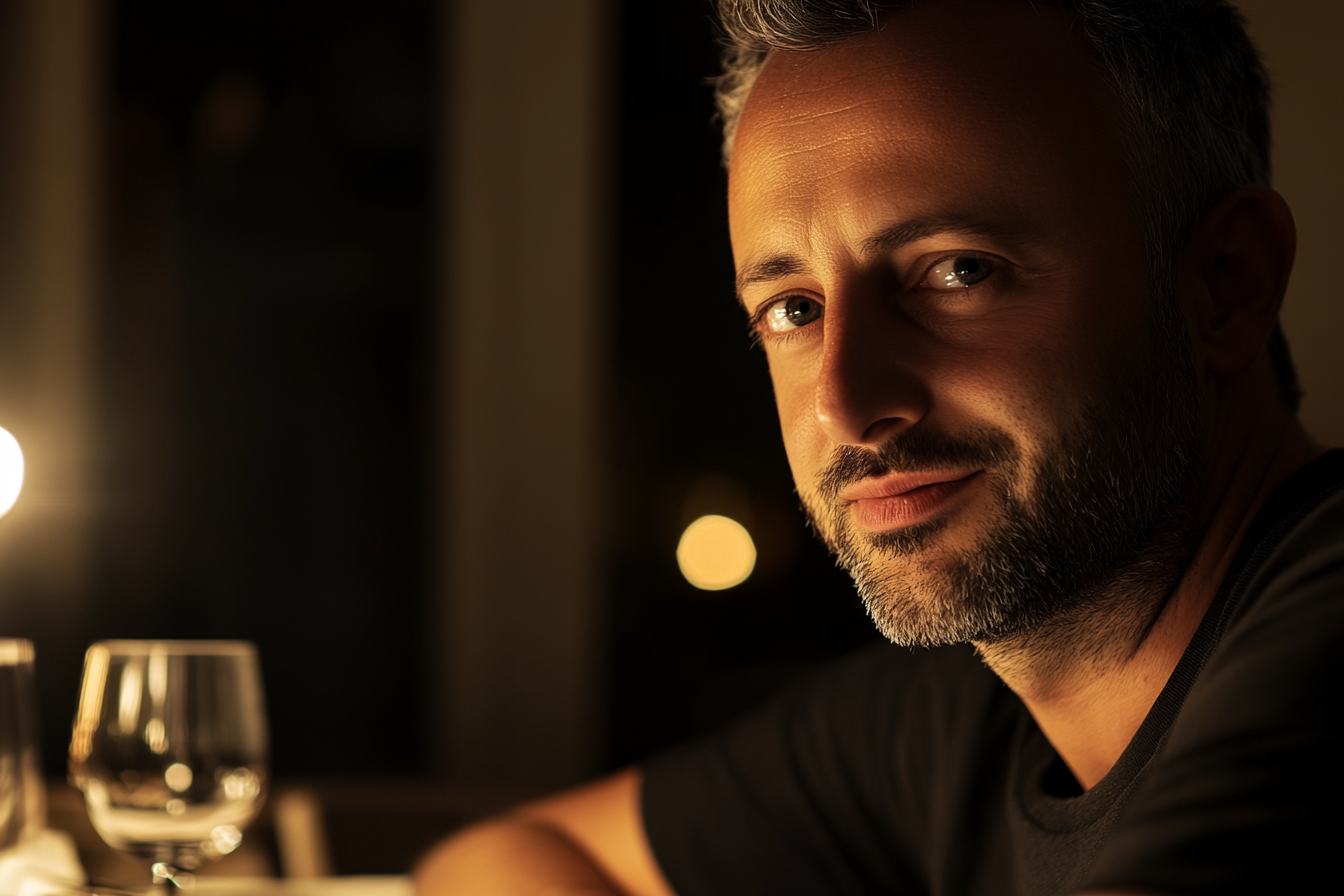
pixel 958 249
pixel 1194 92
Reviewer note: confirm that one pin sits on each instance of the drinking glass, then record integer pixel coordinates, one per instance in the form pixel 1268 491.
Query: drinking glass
pixel 22 791
pixel 170 749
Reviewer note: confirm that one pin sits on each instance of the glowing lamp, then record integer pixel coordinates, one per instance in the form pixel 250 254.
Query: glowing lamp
pixel 11 471
pixel 716 553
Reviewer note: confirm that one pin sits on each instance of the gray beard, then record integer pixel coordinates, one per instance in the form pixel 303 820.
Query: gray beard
pixel 1108 521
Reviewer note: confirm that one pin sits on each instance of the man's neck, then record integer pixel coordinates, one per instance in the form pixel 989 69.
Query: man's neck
pixel 1090 679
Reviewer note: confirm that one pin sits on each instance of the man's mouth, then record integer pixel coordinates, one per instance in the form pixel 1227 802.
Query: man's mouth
pixel 899 500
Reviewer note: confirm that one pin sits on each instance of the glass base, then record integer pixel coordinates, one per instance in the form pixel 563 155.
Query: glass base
pixel 168 877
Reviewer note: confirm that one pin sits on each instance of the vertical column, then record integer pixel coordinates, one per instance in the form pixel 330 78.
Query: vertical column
pixel 49 112
pixel 517 636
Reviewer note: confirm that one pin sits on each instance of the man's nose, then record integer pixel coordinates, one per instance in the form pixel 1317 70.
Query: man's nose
pixel 867 389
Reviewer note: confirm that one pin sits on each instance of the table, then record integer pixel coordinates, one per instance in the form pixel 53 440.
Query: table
pixel 312 886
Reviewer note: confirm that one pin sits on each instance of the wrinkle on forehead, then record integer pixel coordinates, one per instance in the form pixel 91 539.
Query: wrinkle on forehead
pixel 939 48
pixel 823 125
pixel 924 106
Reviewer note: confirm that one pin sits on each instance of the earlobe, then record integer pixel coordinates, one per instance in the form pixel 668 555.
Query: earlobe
pixel 1243 253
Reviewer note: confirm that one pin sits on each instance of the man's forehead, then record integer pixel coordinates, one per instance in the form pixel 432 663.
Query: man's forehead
pixel 947 102
pixel 1020 53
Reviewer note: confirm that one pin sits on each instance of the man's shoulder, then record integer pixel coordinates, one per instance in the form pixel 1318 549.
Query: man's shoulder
pixel 831 786
pixel 923 705
pixel 1293 559
pixel 1271 639
pixel 854 711
pixel 1240 795
pixel 892 678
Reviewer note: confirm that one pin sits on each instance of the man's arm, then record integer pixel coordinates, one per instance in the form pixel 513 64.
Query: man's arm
pixel 584 842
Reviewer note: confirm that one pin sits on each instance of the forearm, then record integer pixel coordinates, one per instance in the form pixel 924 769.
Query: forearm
pixel 509 856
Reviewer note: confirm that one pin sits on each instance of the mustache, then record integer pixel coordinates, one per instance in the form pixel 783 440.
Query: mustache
pixel 914 451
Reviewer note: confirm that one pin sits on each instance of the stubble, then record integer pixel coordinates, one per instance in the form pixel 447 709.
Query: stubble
pixel 1097 522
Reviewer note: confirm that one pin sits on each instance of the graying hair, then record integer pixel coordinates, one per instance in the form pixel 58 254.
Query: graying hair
pixel 1193 85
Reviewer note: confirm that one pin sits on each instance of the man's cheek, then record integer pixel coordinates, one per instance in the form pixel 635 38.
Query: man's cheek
pixel 803 440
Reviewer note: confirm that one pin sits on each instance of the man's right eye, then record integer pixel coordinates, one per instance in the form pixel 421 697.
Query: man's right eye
pixel 792 312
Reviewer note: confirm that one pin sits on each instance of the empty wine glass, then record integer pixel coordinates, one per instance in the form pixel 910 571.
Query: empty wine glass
pixel 22 791
pixel 170 749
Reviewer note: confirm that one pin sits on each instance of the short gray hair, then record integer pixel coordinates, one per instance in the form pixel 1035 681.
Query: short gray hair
pixel 1193 84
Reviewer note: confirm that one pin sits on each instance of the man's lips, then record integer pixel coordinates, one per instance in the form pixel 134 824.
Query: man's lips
pixel 897 500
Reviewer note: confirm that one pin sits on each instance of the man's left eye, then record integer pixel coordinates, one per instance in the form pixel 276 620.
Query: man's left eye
pixel 792 313
pixel 959 272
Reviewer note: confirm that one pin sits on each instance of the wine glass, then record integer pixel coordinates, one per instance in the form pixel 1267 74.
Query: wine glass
pixel 22 791
pixel 170 749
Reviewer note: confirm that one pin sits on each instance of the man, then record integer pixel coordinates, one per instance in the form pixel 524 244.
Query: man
pixel 1016 269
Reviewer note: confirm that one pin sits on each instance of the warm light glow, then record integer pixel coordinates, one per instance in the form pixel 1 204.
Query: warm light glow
pixel 11 471
pixel 716 553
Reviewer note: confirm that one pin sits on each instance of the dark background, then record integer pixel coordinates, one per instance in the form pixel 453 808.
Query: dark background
pixel 265 361
pixel 696 419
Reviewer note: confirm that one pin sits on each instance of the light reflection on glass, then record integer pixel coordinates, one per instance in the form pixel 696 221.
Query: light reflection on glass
pixel 128 705
pixel 156 736
pixel 178 776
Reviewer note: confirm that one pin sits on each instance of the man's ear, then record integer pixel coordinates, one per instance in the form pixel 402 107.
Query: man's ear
pixel 1240 257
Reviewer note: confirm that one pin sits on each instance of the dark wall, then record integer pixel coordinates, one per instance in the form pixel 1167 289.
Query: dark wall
pixel 265 372
pixel 265 353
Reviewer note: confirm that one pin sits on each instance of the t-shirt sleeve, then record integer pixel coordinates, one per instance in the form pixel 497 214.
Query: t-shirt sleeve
pixel 1245 797
pixel 815 793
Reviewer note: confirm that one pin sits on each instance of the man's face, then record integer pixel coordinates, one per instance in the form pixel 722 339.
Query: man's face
pixel 987 414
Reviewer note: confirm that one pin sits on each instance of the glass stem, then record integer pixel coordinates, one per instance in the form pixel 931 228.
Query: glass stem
pixel 166 877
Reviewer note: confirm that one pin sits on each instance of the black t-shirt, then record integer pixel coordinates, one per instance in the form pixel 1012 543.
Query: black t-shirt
pixel 904 771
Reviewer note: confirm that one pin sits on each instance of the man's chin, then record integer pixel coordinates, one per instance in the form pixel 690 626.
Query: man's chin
pixel 913 620
pixel 912 580
pixel 913 589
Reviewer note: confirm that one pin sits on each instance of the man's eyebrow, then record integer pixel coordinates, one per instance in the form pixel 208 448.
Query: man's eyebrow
pixel 906 232
pixel 888 240
pixel 775 267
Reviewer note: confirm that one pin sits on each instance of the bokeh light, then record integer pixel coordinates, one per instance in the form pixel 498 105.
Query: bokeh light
pixel 11 471
pixel 715 553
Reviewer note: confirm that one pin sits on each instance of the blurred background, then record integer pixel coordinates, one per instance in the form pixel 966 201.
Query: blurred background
pixel 399 338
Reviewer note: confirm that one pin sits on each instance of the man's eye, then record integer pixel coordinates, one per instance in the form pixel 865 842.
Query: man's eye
pixel 792 313
pixel 959 272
